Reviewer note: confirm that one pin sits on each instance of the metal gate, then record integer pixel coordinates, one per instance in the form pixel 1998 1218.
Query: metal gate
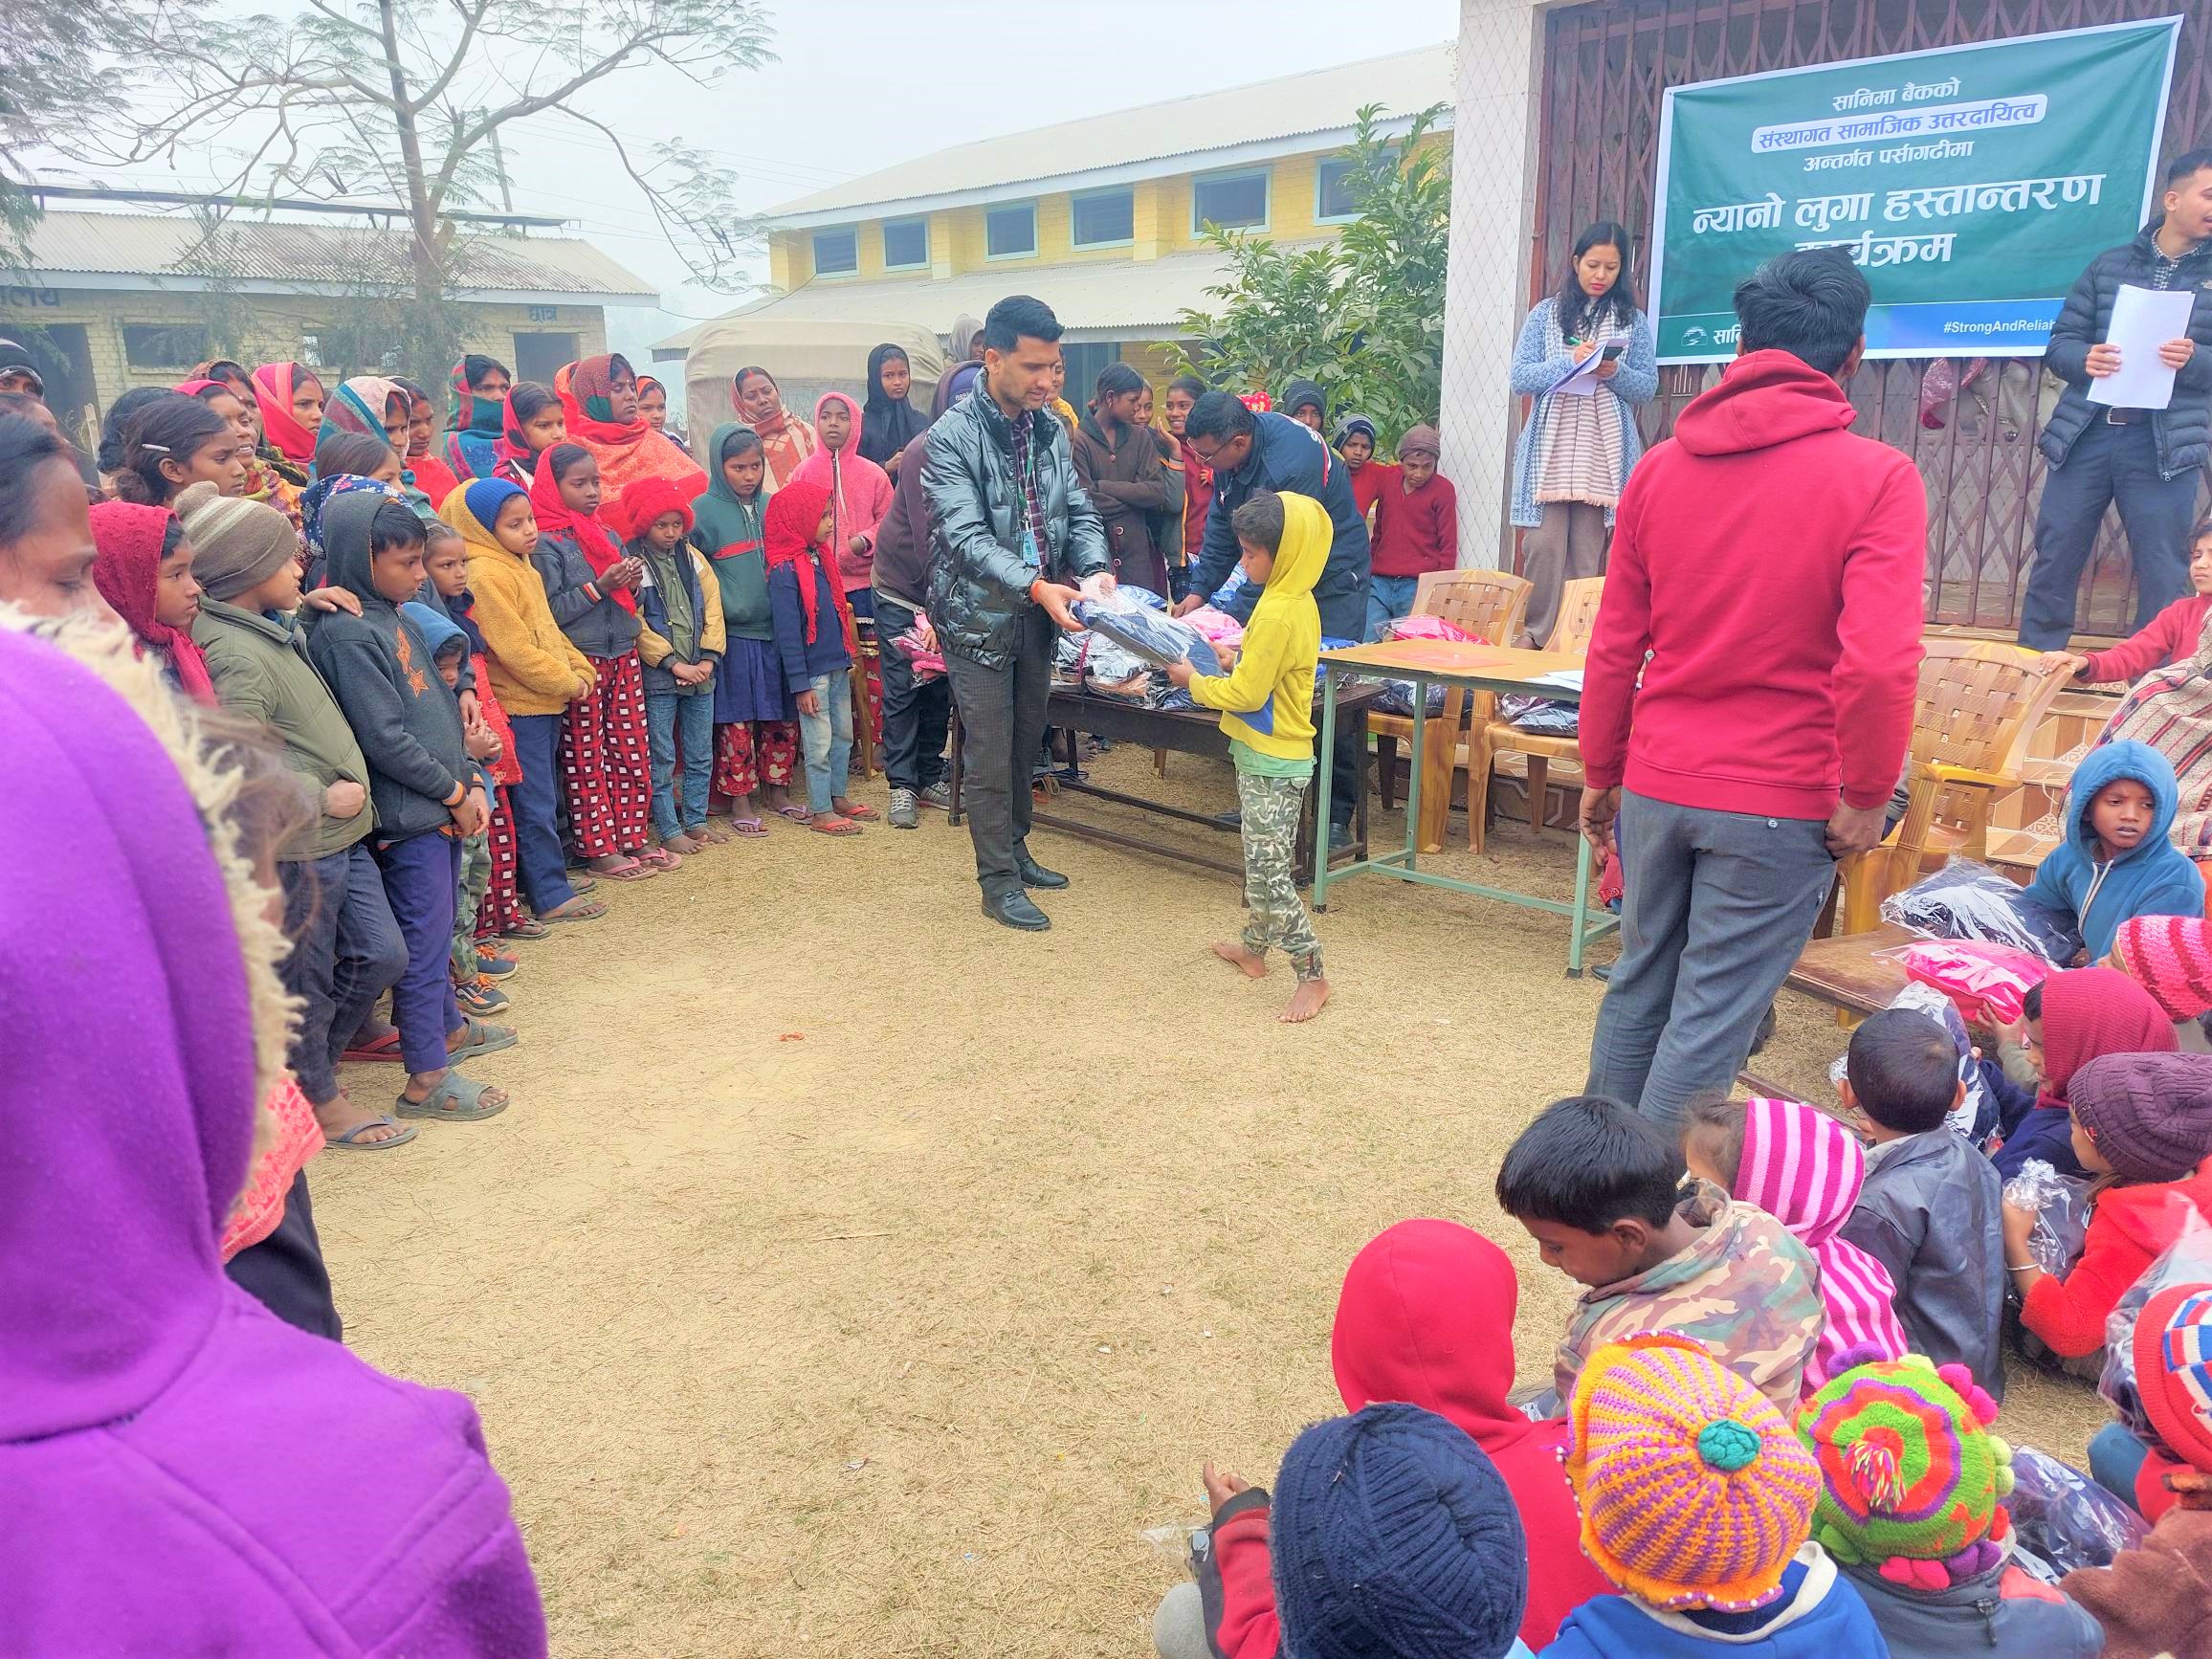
pixel 1605 66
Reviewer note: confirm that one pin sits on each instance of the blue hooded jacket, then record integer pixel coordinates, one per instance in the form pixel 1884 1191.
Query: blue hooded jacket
pixel 2155 880
pixel 1818 1616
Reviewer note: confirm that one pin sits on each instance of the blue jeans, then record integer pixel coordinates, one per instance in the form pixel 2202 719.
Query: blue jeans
pixel 1388 598
pixel 419 876
pixel 346 951
pixel 671 718
pixel 2107 465
pixel 2115 1459
pixel 826 739
pixel 539 865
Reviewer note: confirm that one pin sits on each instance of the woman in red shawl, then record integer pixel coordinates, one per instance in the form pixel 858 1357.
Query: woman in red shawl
pixel 143 568
pixel 590 587
pixel 290 400
pixel 432 475
pixel 599 397
pixel 785 440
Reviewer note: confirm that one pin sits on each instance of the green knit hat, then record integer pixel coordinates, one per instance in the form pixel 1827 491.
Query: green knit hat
pixel 1909 1473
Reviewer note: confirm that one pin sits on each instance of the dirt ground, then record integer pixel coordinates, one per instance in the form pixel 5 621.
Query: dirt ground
pixel 854 1276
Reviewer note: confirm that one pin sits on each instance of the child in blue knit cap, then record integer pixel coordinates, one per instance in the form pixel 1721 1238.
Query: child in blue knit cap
pixel 1392 1534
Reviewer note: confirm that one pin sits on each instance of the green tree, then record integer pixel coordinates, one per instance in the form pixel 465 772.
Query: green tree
pixel 1362 314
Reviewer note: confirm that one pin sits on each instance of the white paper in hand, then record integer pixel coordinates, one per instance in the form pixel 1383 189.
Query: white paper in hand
pixel 2143 320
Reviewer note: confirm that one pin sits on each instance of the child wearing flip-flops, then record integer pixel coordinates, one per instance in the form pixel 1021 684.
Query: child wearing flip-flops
pixel 812 623
pixel 680 637
pixel 756 732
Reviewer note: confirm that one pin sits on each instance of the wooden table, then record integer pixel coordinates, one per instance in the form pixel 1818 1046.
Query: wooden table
pixel 1187 732
pixel 1464 667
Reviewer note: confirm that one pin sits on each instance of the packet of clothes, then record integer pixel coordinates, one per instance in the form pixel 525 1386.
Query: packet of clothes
pixel 920 644
pixel 1965 1118
pixel 2059 1206
pixel 1969 900
pixel 1397 694
pixel 1217 626
pixel 2186 1261
pixel 1540 717
pixel 2064 1517
pixel 1148 632
pixel 1988 983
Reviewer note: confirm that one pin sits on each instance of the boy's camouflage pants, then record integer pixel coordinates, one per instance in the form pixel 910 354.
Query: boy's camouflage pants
pixel 1275 914
pixel 475 880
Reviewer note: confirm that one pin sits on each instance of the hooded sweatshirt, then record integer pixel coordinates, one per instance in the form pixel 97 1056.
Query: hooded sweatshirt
pixel 1817 1616
pixel 892 423
pixel 1425 1319
pixel 1267 700
pixel 378 666
pixel 182 1472
pixel 2151 879
pixel 1770 563
pixel 2002 1613
pixel 534 666
pixel 859 493
pixel 2087 1013
pixel 732 532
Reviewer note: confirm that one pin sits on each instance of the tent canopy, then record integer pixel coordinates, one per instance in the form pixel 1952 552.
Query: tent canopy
pixel 807 357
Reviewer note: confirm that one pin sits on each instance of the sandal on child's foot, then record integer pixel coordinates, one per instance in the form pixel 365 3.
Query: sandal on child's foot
pixel 830 824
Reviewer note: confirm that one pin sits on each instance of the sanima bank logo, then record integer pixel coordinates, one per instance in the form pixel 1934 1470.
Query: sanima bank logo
pixel 1697 335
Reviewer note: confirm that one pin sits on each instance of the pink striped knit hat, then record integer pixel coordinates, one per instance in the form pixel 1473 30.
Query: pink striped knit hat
pixel 2170 957
pixel 1694 1492
pixel 1804 1169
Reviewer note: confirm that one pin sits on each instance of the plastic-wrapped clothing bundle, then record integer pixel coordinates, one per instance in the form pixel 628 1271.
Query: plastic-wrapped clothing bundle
pixel 2060 1203
pixel 2064 1517
pixel 1217 626
pixel 1986 981
pixel 1150 634
pixel 1970 901
pixel 1921 999
pixel 2186 1261
pixel 1397 697
pixel 1540 717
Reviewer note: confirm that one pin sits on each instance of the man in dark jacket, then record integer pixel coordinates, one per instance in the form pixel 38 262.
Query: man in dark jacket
pixel 1013 531
pixel 2147 460
pixel 915 712
pixel 1249 453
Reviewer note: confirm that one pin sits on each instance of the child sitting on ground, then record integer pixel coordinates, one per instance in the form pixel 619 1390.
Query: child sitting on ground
pixel 1426 1318
pixel 2142 1126
pixel 1698 1501
pixel 1804 1169
pixel 1395 1535
pixel 1911 1478
pixel 2170 637
pixel 1266 704
pixel 2066 1022
pixel 1596 1184
pixel 2172 1354
pixel 806 595
pixel 1930 1210
pixel 1416 530
pixel 2115 860
pixel 680 641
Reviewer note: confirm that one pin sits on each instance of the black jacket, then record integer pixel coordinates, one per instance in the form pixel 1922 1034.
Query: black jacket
pixel 2184 430
pixel 978 579
pixel 378 666
pixel 900 569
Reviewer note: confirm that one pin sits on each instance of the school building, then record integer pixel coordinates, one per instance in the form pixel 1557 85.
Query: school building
pixel 112 300
pixel 1102 219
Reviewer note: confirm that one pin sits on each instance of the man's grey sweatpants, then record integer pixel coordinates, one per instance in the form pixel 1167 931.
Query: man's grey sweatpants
pixel 1717 906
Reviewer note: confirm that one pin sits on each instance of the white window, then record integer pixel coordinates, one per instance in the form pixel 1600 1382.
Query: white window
pixel 836 253
pixel 1011 233
pixel 1103 220
pixel 1233 201
pixel 1333 203
pixel 905 244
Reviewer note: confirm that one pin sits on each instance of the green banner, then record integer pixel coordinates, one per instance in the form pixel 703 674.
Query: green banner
pixel 1972 184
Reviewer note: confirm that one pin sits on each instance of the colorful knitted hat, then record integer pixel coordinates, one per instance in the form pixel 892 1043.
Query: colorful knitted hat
pixel 2173 1370
pixel 1909 1473
pixel 1694 1491
pixel 1393 1533
pixel 2170 957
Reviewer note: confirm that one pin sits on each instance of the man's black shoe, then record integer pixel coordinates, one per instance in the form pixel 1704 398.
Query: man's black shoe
pixel 1035 875
pixel 1339 839
pixel 1014 909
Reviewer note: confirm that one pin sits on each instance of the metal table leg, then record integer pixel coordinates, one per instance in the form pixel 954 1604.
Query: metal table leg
pixel 1324 765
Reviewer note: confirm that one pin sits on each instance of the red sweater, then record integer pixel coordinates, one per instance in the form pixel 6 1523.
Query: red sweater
pixel 1770 563
pixel 2170 637
pixel 1370 483
pixel 2128 1229
pixel 1415 530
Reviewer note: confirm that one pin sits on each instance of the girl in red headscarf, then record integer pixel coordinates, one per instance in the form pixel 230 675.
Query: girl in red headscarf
pixel 531 422
pixel 813 642
pixel 591 587
pixel 432 475
pixel 144 569
pixel 599 397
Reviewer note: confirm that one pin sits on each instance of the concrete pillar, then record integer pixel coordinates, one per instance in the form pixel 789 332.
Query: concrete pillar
pixel 1494 173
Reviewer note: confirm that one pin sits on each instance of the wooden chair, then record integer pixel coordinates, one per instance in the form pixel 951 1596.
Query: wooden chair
pixel 1978 704
pixel 1571 634
pixel 1491 604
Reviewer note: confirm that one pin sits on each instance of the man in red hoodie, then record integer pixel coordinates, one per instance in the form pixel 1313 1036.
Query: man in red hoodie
pixel 1766 583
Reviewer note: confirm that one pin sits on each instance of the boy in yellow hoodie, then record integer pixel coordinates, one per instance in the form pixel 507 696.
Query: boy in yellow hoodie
pixel 1266 704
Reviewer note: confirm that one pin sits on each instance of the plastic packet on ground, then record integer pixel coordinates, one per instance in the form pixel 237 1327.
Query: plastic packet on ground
pixel 1969 900
pixel 2186 1261
pixel 1542 717
pixel 1987 983
pixel 1153 635
pixel 2060 1203
pixel 1927 999
pixel 2064 1516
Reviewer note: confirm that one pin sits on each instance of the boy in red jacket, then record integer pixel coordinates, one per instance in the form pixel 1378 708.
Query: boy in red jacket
pixel 1769 564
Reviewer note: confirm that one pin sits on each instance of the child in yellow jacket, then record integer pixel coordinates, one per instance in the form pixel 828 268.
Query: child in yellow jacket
pixel 1266 704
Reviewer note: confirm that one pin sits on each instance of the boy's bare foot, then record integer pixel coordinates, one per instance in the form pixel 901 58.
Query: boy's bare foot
pixel 1305 1001
pixel 1233 951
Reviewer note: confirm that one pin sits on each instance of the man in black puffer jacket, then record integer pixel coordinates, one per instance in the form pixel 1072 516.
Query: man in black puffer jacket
pixel 2148 461
pixel 1012 533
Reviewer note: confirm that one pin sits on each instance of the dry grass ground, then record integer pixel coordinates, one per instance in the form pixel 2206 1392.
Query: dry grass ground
pixel 853 1277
